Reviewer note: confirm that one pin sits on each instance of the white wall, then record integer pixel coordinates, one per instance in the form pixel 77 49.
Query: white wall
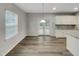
pixel 7 45
pixel 34 22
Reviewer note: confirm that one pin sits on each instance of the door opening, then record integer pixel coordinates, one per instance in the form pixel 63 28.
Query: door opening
pixel 44 28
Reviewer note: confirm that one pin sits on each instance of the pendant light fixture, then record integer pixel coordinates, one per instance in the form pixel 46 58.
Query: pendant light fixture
pixel 43 20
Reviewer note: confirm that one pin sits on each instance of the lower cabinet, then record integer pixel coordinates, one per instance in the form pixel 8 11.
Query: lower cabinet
pixel 72 44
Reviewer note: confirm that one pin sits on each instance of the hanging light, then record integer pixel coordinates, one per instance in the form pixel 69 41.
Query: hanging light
pixel 43 20
pixel 43 10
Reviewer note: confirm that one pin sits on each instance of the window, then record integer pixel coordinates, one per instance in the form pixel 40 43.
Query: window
pixel 11 24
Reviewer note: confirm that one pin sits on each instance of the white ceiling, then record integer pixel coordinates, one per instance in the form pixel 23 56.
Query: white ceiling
pixel 37 7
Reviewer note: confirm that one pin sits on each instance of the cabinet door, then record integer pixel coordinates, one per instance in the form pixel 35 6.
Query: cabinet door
pixel 72 45
pixel 73 20
pixel 58 19
pixel 66 19
pixel 69 20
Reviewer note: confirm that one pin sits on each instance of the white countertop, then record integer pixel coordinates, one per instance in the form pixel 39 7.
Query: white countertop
pixel 74 34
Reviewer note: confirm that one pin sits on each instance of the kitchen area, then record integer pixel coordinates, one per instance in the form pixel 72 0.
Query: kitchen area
pixel 67 26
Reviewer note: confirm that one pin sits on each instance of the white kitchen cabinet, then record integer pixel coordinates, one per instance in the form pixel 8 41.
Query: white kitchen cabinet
pixel 59 19
pixel 66 20
pixel 72 43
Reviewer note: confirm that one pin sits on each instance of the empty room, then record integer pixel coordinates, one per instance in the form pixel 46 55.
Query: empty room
pixel 39 29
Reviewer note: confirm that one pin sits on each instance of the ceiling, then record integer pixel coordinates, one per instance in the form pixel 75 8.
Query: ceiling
pixel 38 7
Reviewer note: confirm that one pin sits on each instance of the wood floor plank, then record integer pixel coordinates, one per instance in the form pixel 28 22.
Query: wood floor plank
pixel 41 46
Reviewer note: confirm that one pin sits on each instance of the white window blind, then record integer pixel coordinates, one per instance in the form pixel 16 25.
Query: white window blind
pixel 11 24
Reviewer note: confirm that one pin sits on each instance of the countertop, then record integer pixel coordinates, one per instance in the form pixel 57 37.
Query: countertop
pixel 74 34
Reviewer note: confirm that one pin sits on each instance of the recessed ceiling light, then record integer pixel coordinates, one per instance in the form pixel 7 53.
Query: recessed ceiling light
pixel 54 8
pixel 75 8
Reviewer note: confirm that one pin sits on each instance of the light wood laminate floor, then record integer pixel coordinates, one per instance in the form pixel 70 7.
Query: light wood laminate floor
pixel 40 46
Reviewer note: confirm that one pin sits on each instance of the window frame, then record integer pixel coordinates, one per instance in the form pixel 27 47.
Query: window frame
pixel 8 24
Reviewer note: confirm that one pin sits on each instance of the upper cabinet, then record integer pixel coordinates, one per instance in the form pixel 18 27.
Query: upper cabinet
pixel 65 20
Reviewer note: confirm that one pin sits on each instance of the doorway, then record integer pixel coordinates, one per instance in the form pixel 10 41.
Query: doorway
pixel 44 28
